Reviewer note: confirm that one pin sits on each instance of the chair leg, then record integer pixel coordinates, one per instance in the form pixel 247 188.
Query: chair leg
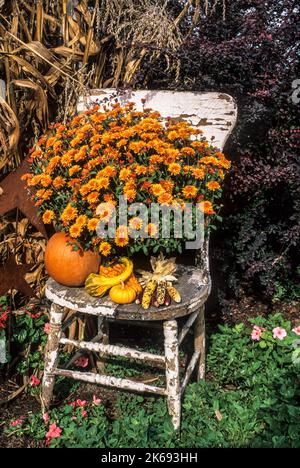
pixel 103 327
pixel 172 371
pixel 199 342
pixel 51 354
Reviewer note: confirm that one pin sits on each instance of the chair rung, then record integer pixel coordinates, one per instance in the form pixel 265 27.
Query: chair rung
pixel 109 381
pixel 186 327
pixel 189 370
pixel 120 351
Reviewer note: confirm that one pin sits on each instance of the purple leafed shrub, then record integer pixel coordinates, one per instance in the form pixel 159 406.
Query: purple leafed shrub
pixel 254 56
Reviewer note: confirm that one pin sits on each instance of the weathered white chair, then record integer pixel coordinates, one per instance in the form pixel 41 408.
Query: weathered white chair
pixel 215 114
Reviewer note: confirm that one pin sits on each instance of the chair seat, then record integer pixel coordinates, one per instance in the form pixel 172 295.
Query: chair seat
pixel 190 285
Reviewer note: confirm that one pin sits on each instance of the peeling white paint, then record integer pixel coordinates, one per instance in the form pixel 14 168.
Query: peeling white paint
pixel 214 113
pixel 114 350
pixel 172 371
pixel 109 381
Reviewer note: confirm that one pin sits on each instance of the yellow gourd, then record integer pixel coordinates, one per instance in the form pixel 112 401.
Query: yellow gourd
pixel 122 294
pixel 97 285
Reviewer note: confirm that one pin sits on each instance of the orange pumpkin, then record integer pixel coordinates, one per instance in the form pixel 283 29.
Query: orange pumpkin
pixel 122 294
pixel 67 266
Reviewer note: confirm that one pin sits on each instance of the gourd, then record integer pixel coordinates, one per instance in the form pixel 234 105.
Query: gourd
pixel 134 283
pixel 122 294
pixel 98 285
pixel 68 266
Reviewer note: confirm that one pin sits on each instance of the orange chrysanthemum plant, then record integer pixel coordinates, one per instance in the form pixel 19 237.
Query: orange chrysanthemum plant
pixel 100 155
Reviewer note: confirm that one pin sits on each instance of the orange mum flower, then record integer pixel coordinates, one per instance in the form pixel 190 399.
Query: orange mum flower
pixel 66 160
pixel 198 173
pixel 109 197
pixel 157 190
pixel 45 180
pixel 124 174
pixel 199 144
pixel 122 238
pixel 48 216
pixel 74 169
pixel 77 140
pixel 213 185
pixel 50 142
pixel 81 220
pixel 108 171
pixel 137 146
pixel 103 182
pixel 75 230
pixel 105 249
pixel 140 170
pixel 190 191
pixel 26 177
pixel 171 154
pixel 52 164
pixel 174 168
pixel 69 213
pixel 47 194
pixel 92 224
pixel 80 155
pixel 35 154
pixel 104 210
pixel 209 160
pixel 130 194
pixel 165 198
pixel 173 135
pixel 187 169
pixel 122 142
pixel 57 145
pixel 155 159
pixel 85 189
pixel 186 151
pixel 136 223
pixel 225 163
pixel 207 207
pixel 34 180
pixel 93 197
pixel 168 185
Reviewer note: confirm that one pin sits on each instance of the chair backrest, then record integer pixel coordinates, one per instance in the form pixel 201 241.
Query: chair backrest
pixel 213 113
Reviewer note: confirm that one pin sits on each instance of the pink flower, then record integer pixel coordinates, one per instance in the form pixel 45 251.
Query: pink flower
pixel 81 403
pixel 46 418
pixel 256 333
pixel 47 328
pixel 34 381
pixel 54 431
pixel 82 362
pixel 73 403
pixel 296 330
pixel 96 400
pixel 18 422
pixel 84 413
pixel 279 333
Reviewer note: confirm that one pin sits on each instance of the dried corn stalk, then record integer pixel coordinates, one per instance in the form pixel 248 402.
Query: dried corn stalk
pixel 52 51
